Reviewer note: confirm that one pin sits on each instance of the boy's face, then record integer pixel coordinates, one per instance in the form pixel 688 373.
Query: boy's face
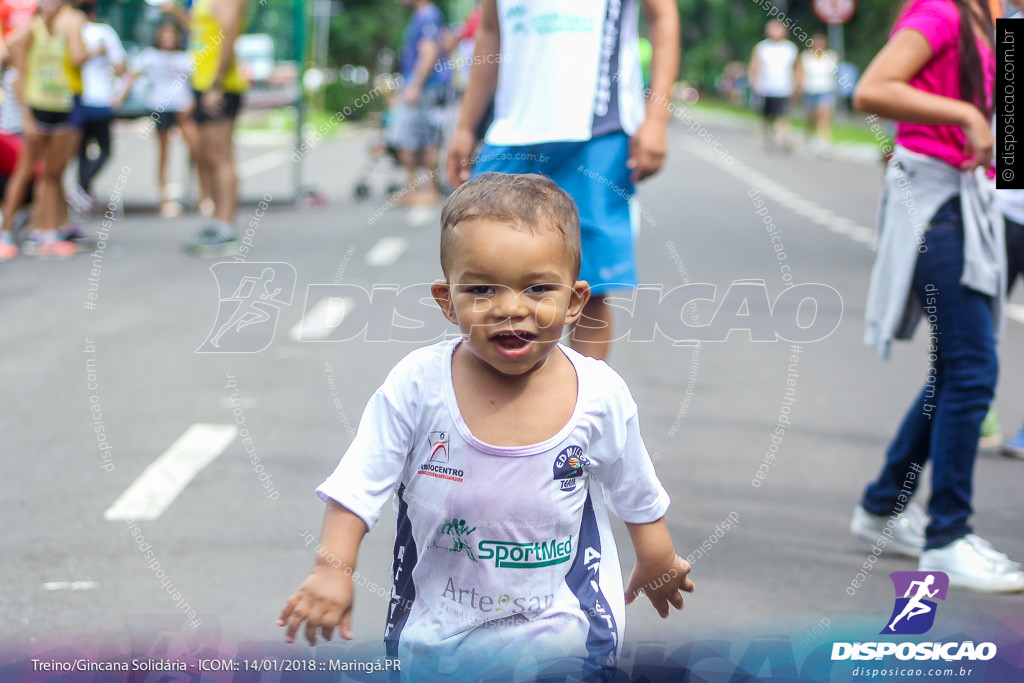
pixel 511 292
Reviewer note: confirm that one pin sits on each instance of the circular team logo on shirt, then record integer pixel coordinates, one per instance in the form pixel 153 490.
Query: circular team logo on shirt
pixel 569 464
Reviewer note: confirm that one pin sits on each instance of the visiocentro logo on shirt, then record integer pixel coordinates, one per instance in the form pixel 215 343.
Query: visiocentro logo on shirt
pixel 913 613
pixel 526 555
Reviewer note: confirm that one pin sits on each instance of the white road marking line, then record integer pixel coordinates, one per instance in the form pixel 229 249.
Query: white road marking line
pixel 787 198
pixel 386 251
pixel 318 323
pixel 840 225
pixel 167 476
pixel 264 138
pixel 843 229
pixel 244 402
pixel 69 585
pixel 421 215
pixel 264 162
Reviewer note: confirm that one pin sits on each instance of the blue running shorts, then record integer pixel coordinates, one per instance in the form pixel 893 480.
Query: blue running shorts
pixel 594 174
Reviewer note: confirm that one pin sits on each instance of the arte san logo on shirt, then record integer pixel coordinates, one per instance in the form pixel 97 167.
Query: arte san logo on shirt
pixel 569 464
pixel 526 555
pixel 439 458
pixel 508 603
pixel 914 610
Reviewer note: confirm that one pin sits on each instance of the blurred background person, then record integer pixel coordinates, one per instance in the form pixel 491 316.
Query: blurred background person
pixel 415 127
pixel 48 54
pixel 773 80
pixel 105 64
pixel 1011 204
pixel 218 85
pixel 934 78
pixel 165 69
pixel 816 80
pixel 13 16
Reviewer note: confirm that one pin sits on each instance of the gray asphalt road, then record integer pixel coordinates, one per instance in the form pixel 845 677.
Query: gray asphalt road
pixel 93 397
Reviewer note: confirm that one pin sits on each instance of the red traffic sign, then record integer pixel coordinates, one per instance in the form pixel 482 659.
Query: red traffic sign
pixel 834 11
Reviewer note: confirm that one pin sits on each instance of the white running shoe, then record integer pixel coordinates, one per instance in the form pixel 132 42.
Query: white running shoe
pixel 969 567
pixel 986 548
pixel 905 536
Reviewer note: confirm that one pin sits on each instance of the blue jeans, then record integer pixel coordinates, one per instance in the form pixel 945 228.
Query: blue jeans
pixel 944 423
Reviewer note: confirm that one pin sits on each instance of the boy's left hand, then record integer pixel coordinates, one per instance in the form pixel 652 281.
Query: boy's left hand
pixel 662 589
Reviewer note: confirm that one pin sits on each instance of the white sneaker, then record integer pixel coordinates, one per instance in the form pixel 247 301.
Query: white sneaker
pixel 970 568
pixel 986 548
pixel 904 537
pixel 80 200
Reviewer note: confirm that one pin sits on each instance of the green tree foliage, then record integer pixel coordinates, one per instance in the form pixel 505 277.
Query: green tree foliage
pixel 277 18
pixel 364 28
pixel 715 32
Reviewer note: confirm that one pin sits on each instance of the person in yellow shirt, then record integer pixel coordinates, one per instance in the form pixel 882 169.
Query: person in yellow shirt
pixel 47 54
pixel 218 85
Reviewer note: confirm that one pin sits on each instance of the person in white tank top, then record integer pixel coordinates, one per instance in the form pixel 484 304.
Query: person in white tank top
pixel 772 78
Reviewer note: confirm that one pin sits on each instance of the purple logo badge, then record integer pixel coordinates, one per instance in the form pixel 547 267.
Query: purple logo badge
pixel 916 592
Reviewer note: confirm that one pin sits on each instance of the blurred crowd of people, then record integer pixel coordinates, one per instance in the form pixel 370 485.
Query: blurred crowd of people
pixel 66 76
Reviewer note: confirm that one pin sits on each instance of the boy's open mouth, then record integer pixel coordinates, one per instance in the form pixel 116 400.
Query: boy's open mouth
pixel 512 340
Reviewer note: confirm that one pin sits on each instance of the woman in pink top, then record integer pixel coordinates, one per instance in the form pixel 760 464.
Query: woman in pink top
pixel 937 259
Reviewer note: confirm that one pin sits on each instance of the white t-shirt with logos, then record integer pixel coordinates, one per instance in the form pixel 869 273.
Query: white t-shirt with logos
pixel 499 550
pixel 819 72
pixel 776 78
pixel 98 79
pixel 168 75
pixel 569 71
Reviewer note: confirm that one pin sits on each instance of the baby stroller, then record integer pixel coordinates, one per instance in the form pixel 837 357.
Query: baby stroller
pixel 381 167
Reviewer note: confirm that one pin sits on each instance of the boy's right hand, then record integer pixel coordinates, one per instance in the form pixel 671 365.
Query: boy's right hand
pixel 324 602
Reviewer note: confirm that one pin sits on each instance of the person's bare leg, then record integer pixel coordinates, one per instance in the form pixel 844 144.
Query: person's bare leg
pixel 784 133
pixel 431 192
pixel 410 162
pixel 17 186
pixel 67 142
pixel 162 140
pixel 203 159
pixel 216 153
pixel 218 149
pixel 190 132
pixel 49 213
pixel 42 218
pixel 824 124
pixel 412 193
pixel 592 335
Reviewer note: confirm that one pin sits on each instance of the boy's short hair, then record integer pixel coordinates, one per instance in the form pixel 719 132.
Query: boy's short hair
pixel 528 201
